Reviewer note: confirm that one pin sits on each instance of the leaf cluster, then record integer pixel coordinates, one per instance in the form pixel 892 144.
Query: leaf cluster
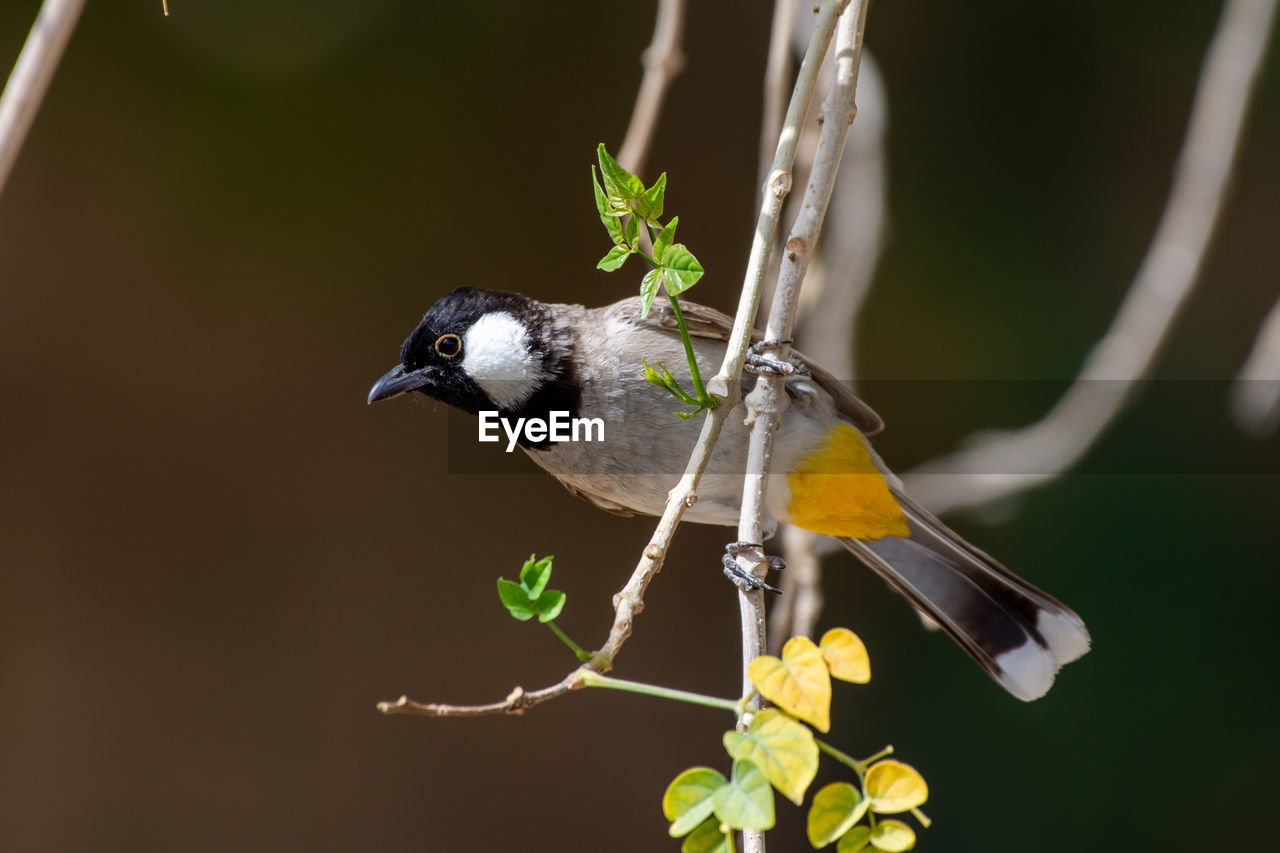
pixel 530 597
pixel 625 204
pixel 778 751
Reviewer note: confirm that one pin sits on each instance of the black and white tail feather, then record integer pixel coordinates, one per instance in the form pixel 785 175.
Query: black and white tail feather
pixel 1017 633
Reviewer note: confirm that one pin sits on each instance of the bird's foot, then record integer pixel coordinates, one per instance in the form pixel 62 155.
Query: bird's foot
pixel 743 579
pixel 759 362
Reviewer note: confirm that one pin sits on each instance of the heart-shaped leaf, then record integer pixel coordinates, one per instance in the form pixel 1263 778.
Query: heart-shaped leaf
pixel 855 840
pixel 688 799
pixel 783 749
pixel 895 787
pixel 846 656
pixel 710 837
pixel 798 683
pixel 747 801
pixel 836 807
pixel 893 836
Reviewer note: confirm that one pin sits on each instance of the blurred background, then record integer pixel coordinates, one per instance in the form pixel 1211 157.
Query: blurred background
pixel 215 559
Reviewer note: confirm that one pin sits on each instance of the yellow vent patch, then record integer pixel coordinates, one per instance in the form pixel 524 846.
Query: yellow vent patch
pixel 839 491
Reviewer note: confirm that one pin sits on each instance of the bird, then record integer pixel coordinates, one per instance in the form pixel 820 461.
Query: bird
pixel 484 351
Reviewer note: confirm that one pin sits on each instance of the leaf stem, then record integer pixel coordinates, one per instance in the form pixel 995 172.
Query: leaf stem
pixel 705 400
pixel 884 753
pixel 583 655
pixel 591 678
pixel 847 760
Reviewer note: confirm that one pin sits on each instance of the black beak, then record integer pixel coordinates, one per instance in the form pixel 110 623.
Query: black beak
pixel 397 381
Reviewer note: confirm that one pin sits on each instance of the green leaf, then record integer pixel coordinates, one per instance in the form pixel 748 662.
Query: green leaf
pixel 616 257
pixel 709 837
pixel 855 840
pixel 798 683
pixel 783 749
pixel 535 574
pixel 665 238
pixel 649 290
pixel 688 799
pixel 649 203
pixel 836 808
pixel 893 836
pixel 516 599
pixel 895 787
pixel 611 222
pixel 619 184
pixel 747 801
pixel 681 268
pixel 631 230
pixel 549 605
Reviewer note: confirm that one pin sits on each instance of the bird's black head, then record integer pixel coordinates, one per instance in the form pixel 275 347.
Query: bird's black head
pixel 487 350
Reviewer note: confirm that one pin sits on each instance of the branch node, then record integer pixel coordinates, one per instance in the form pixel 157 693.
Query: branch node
pixel 653 550
pixel 779 183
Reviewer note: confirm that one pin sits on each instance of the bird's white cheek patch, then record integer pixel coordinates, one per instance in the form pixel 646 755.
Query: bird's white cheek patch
pixel 495 354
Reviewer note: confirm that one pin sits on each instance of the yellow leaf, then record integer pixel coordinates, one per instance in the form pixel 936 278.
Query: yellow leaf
pixel 783 749
pixel 895 787
pixel 846 656
pixel 798 683
pixel 893 836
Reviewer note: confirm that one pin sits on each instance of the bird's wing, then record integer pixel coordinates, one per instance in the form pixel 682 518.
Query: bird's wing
pixel 704 322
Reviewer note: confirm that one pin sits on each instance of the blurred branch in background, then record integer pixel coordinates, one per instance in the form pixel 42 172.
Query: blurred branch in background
pixel 1255 395
pixel 777 80
pixel 30 78
pixel 836 285
pixel 999 464
pixel 662 61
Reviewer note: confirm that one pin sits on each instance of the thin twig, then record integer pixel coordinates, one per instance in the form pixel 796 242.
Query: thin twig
pixel 768 400
pixel 998 465
pixel 31 75
pixel 776 78
pixel 1255 395
pixel 725 386
pixel 662 60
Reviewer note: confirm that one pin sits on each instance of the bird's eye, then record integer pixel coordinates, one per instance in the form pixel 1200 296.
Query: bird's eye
pixel 448 345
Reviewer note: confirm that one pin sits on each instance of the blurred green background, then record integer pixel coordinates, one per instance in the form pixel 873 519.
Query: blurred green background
pixel 214 559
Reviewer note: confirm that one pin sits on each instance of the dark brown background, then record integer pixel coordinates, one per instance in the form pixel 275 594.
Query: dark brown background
pixel 214 558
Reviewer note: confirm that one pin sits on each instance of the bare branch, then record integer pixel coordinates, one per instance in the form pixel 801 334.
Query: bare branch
pixel 768 401
pixel 1255 395
pixel 515 703
pixel 776 188
pixel 31 75
pixel 662 62
pixel 998 465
